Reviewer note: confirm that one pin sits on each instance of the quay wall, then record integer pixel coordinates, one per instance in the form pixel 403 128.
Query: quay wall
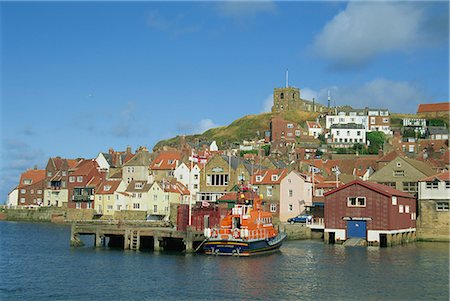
pixel 296 231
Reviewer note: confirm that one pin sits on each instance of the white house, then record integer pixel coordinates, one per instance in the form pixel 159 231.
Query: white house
pixel 102 162
pixel 434 207
pixel 345 135
pixel 189 177
pixel 314 128
pixel 295 194
pixel 13 198
pixel 419 124
pixel 213 146
pixel 356 117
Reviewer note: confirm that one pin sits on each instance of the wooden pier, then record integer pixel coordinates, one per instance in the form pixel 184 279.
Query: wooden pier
pixel 136 235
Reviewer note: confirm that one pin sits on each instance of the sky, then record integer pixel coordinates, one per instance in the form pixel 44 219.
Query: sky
pixel 80 77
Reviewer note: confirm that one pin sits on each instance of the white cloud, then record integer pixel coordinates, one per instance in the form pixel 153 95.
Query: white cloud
pixel 308 94
pixel 397 96
pixel 267 104
pixel 204 125
pixel 364 30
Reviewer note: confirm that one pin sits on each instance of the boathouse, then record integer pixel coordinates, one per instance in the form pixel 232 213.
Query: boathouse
pixel 370 213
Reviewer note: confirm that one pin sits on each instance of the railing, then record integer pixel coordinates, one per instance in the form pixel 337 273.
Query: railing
pixel 82 198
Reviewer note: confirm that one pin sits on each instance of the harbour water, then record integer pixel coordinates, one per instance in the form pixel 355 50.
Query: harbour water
pixel 36 263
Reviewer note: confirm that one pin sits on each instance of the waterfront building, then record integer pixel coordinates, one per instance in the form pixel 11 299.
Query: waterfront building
pixel 295 194
pixel 189 177
pixel 266 182
pixel 56 192
pixel 113 159
pixel 13 198
pixel 83 181
pixel 164 165
pixel 433 222
pixel 107 197
pixel 137 168
pixel 377 213
pixel 402 174
pixel 31 187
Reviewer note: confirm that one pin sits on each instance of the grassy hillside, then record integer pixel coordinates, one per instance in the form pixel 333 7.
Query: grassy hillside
pixel 247 127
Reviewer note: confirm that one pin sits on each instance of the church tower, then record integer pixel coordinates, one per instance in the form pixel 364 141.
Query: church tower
pixel 287 98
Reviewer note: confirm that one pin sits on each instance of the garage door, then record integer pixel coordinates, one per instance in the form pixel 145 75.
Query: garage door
pixel 356 229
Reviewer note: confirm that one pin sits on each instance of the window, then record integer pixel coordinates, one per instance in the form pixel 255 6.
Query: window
pixel 63 184
pixel 447 184
pixel 372 120
pixel 290 126
pixel 399 164
pixel 413 216
pixel 432 185
pixel 348 133
pixel 136 205
pixel 385 120
pixel 356 202
pixel 138 186
pixel 23 191
pixel 400 208
pixel 26 181
pixel 273 207
pixel 170 161
pixel 80 179
pixel 71 179
pixel 195 177
pixel 32 191
pixel 89 205
pixel 291 207
pixel 49 173
pixel 78 205
pixel 258 178
pixel 49 184
pixel 390 184
pixel 181 176
pixel 394 200
pixel 410 186
pixel 39 191
pixel 269 190
pixel 109 207
pixel 139 195
pixel 358 133
pixel 155 208
pixel 155 197
pixel 22 200
pixel 274 177
pixel 107 187
pixel 291 193
pixel 64 173
pixel 195 186
pixel 406 209
pixel 297 133
pixel 282 95
pixel 442 206
pixel 166 197
pixel 217 180
pixel 337 133
pixel 399 173
pixel 99 197
pixel 411 148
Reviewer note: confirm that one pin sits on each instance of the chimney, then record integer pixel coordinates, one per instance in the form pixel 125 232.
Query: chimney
pixel 380 153
pixel 128 149
pixel 111 151
pixel 35 167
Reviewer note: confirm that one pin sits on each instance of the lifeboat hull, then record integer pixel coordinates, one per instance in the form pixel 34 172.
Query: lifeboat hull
pixel 240 247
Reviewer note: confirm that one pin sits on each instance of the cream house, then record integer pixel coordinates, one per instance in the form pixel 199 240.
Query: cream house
pixel 295 194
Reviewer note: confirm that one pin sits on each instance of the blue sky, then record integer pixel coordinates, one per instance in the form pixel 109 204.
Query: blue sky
pixel 80 77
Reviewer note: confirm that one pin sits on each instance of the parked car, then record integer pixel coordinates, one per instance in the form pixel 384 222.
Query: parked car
pixel 300 219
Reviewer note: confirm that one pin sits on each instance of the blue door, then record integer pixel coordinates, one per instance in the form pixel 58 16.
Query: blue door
pixel 356 229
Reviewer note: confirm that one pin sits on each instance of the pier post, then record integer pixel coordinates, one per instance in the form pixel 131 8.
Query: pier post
pixel 99 239
pixel 189 240
pixel 75 240
pixel 126 240
pixel 156 244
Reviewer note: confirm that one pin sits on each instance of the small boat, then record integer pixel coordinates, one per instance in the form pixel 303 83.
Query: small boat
pixel 246 230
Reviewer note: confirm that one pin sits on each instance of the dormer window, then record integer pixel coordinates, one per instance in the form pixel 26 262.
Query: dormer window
pixel 106 187
pixel 26 181
pixel 258 178
pixel 138 186
pixel 274 177
pixel 170 161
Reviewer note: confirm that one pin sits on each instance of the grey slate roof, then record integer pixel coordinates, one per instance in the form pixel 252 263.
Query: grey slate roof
pixel 437 130
pixel 236 161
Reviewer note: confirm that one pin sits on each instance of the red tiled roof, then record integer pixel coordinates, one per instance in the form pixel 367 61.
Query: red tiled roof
pixel 35 175
pixel 391 156
pixel 84 167
pixel 176 187
pixel 234 196
pixel 161 161
pixel 113 185
pixel 434 107
pixel 72 163
pixel 313 125
pixel 266 176
pixel 443 176
pixel 383 189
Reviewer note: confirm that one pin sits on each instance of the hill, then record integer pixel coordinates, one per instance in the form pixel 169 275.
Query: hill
pixel 244 128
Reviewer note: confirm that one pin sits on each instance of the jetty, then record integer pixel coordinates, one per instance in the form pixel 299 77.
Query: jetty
pixel 137 235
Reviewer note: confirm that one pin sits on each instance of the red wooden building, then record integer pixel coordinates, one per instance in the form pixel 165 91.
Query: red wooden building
pixel 377 213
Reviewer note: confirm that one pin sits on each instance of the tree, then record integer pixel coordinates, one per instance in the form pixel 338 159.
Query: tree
pixel 376 140
pixel 266 149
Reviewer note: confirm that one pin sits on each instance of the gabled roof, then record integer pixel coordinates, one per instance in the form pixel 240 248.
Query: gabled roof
pixel 236 161
pixel 103 187
pixel 84 167
pixel 313 125
pixel 141 158
pixel 391 156
pixel 443 176
pixel 175 187
pixel 166 160
pixel 434 107
pixel 420 166
pixel 132 186
pixel 35 175
pixel 437 130
pixel 266 176
pixel 383 189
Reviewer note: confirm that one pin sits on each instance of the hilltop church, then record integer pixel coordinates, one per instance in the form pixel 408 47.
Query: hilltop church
pixel 288 99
